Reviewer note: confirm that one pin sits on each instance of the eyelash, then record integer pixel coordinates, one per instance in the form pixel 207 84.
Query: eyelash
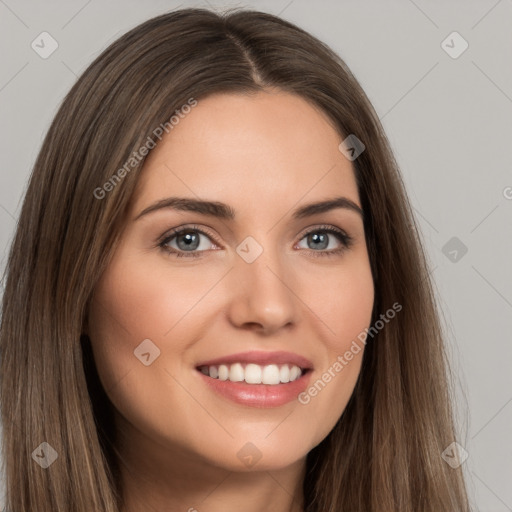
pixel 345 239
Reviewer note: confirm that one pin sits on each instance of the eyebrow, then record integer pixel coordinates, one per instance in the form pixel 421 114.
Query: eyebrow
pixel 224 211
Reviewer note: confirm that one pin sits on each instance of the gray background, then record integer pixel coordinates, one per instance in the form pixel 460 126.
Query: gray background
pixel 449 121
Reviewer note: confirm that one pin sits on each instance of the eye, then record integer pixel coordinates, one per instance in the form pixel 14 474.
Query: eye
pixel 322 240
pixel 187 241
pixel 191 241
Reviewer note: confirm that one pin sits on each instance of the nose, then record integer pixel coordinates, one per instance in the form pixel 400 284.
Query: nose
pixel 262 297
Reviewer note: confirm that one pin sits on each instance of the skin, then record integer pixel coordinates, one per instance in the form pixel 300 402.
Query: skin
pixel 264 155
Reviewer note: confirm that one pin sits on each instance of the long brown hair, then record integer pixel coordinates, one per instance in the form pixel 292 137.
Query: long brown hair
pixel 384 454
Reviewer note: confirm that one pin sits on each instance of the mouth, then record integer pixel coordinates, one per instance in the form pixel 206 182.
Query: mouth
pixel 257 379
pixel 251 373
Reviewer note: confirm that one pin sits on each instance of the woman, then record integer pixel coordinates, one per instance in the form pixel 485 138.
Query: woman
pixel 217 295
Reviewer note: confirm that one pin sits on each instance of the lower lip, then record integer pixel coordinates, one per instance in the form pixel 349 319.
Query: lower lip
pixel 258 395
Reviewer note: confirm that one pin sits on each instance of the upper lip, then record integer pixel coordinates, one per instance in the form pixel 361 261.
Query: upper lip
pixel 261 358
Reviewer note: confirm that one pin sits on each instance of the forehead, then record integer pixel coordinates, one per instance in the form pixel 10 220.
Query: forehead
pixel 258 151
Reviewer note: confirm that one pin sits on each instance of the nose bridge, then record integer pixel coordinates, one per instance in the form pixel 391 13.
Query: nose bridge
pixel 262 292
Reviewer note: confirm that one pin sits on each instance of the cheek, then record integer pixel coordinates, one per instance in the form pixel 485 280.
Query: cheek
pixel 134 302
pixel 350 307
pixel 343 302
pixel 345 307
pixel 138 300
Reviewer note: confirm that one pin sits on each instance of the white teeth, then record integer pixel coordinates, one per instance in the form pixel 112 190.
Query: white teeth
pixel 294 372
pixel 236 373
pixel 223 372
pixel 284 373
pixel 253 374
pixel 270 374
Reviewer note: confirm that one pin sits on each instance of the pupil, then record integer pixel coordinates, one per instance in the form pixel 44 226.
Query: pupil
pixel 191 241
pixel 322 238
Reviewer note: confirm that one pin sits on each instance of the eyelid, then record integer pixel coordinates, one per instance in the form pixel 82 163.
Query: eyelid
pixel 322 227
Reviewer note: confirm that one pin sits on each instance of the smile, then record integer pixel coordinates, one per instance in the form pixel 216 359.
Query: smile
pixel 257 379
pixel 271 374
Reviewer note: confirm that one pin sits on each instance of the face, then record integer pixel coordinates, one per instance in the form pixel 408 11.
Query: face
pixel 248 291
